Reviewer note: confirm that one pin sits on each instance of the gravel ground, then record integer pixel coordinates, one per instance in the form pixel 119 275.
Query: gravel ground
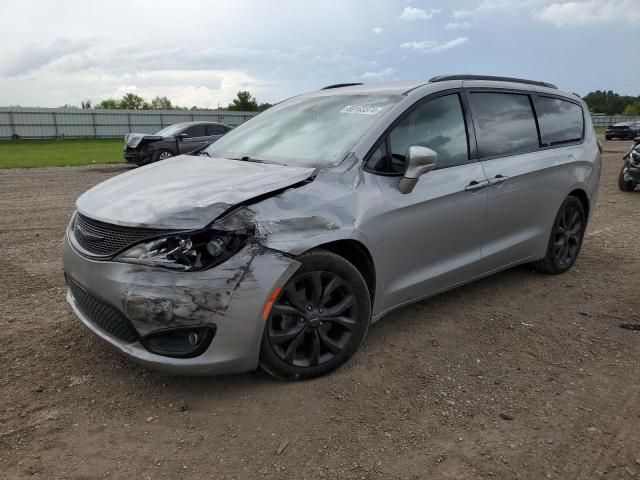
pixel 520 375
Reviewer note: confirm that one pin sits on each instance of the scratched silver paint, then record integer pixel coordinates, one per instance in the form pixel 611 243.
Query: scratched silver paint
pixel 435 238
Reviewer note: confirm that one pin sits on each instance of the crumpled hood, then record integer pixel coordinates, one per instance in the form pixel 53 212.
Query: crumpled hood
pixel 184 192
pixel 134 139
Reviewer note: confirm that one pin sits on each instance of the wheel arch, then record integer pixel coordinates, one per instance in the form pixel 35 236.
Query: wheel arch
pixel 358 255
pixel 581 195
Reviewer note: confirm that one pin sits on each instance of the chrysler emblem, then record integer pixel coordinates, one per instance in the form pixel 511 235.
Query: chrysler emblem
pixel 88 235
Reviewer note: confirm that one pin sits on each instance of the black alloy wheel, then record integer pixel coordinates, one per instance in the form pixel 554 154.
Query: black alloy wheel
pixel 319 319
pixel 568 235
pixel 566 238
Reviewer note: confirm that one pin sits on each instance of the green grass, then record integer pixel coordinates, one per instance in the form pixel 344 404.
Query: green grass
pixel 72 152
pixel 59 153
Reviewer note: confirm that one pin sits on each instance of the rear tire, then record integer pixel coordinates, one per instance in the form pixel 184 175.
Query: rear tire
pixel 566 238
pixel 319 320
pixel 607 137
pixel 625 185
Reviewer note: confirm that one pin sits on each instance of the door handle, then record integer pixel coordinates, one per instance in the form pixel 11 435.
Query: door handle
pixel 475 185
pixel 498 179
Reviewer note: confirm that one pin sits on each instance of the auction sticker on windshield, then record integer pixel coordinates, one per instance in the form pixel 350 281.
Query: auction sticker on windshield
pixel 361 109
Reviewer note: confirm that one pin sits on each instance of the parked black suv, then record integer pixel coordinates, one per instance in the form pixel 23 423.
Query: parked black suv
pixel 141 148
pixel 623 130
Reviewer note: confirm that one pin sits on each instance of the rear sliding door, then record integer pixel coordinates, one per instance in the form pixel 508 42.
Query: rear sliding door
pixel 524 188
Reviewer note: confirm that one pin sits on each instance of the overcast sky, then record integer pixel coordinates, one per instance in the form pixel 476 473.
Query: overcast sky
pixel 202 52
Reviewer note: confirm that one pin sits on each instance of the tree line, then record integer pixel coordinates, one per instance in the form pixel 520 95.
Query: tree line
pixel 611 103
pixel 244 102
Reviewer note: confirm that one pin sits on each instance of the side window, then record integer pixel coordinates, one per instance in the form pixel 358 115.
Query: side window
pixel 195 131
pixel 560 121
pixel 437 124
pixel 379 162
pixel 216 129
pixel 506 125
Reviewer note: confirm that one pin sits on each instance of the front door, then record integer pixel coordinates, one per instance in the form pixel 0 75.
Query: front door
pixel 430 239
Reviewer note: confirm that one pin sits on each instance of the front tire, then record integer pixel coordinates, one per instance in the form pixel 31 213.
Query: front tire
pixel 319 319
pixel 566 238
pixel 625 185
pixel 161 155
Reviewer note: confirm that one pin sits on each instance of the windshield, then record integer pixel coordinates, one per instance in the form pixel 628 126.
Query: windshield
pixel 305 131
pixel 171 130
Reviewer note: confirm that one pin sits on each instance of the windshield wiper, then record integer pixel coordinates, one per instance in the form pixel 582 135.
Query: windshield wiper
pixel 247 158
pixel 244 158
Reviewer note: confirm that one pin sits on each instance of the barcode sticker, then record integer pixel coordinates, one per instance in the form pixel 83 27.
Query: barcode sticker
pixel 361 109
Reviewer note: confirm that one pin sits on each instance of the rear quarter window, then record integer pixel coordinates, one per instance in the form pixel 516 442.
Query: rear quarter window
pixel 561 121
pixel 505 123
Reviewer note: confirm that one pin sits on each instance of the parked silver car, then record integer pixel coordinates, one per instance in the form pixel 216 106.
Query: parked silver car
pixel 286 238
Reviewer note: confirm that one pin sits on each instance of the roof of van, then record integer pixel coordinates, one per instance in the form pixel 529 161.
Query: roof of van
pixel 406 87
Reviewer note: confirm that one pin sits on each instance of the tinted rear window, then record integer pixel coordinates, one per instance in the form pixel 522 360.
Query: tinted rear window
pixel 560 121
pixel 506 125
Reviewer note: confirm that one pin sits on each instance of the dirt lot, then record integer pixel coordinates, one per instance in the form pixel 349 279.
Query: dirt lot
pixel 517 376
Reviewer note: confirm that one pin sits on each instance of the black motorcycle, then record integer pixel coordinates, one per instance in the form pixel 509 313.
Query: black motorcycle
pixel 630 173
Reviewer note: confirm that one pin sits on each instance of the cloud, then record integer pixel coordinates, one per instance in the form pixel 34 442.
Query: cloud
pixel 491 6
pixel 63 71
pixel 589 12
pixel 429 46
pixel 413 13
pixel 377 30
pixel 34 57
pixel 186 88
pixel 458 25
pixel 386 73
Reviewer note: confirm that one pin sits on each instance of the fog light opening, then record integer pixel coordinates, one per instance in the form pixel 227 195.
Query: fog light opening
pixel 181 342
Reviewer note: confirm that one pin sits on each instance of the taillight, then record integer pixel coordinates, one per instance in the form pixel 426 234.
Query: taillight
pixel 599 147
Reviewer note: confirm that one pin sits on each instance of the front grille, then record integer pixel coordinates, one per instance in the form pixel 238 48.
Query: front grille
pixel 103 239
pixel 102 314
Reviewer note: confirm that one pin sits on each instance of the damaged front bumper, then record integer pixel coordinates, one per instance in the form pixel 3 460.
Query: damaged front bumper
pixel 137 156
pixel 226 301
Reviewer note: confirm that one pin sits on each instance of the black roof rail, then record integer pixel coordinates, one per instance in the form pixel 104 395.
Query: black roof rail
pixel 444 78
pixel 340 85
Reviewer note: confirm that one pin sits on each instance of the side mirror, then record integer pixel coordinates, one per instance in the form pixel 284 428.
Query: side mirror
pixel 420 160
pixel 183 135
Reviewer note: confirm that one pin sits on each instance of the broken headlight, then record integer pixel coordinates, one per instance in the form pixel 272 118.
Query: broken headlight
pixel 186 251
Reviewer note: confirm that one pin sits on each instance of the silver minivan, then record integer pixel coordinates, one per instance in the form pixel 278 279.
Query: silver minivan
pixel 280 243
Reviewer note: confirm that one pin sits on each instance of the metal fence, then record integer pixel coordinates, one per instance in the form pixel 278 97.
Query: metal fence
pixel 23 122
pixel 606 120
